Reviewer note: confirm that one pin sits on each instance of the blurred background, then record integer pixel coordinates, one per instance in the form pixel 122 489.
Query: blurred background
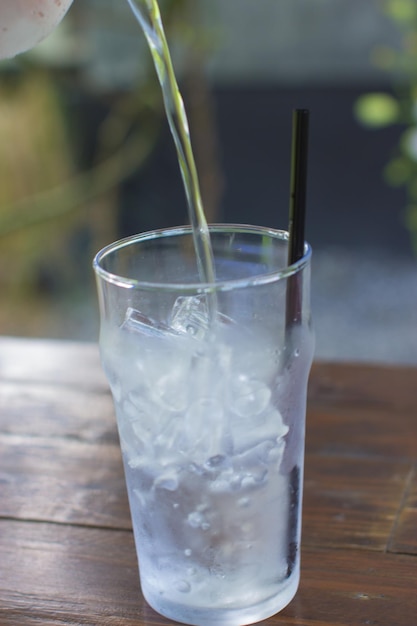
pixel 86 156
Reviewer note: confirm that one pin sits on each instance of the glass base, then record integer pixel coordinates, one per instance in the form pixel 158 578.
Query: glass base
pixel 220 616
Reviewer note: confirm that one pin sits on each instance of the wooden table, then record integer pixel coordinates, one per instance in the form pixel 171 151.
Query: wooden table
pixel 66 548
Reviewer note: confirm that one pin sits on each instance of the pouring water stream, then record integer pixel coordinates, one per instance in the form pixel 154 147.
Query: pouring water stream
pixel 148 15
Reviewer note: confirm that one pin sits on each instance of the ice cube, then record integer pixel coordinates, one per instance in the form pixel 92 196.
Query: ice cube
pixel 190 315
pixel 169 441
pixel 254 465
pixel 138 322
pixel 205 430
pixel 171 389
pixel 249 396
pixel 155 360
pixel 249 434
pixel 134 449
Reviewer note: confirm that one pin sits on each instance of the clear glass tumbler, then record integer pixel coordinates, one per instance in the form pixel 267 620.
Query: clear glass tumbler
pixel 209 383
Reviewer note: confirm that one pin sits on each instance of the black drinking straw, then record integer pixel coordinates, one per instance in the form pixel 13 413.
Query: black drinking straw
pixel 294 301
pixel 296 226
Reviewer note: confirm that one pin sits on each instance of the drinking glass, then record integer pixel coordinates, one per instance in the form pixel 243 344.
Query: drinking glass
pixel 209 383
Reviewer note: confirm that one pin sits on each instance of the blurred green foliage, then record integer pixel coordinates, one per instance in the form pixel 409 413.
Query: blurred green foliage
pixel 378 110
pixel 49 200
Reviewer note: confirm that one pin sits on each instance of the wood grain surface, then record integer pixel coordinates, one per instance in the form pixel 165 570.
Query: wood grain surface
pixel 67 555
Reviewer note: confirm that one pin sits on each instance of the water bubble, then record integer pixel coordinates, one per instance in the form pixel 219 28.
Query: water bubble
pixel 168 481
pixel 216 462
pixel 197 520
pixel 183 586
pixel 188 552
pixel 244 502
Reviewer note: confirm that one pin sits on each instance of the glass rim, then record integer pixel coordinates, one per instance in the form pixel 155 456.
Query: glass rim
pixel 199 287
